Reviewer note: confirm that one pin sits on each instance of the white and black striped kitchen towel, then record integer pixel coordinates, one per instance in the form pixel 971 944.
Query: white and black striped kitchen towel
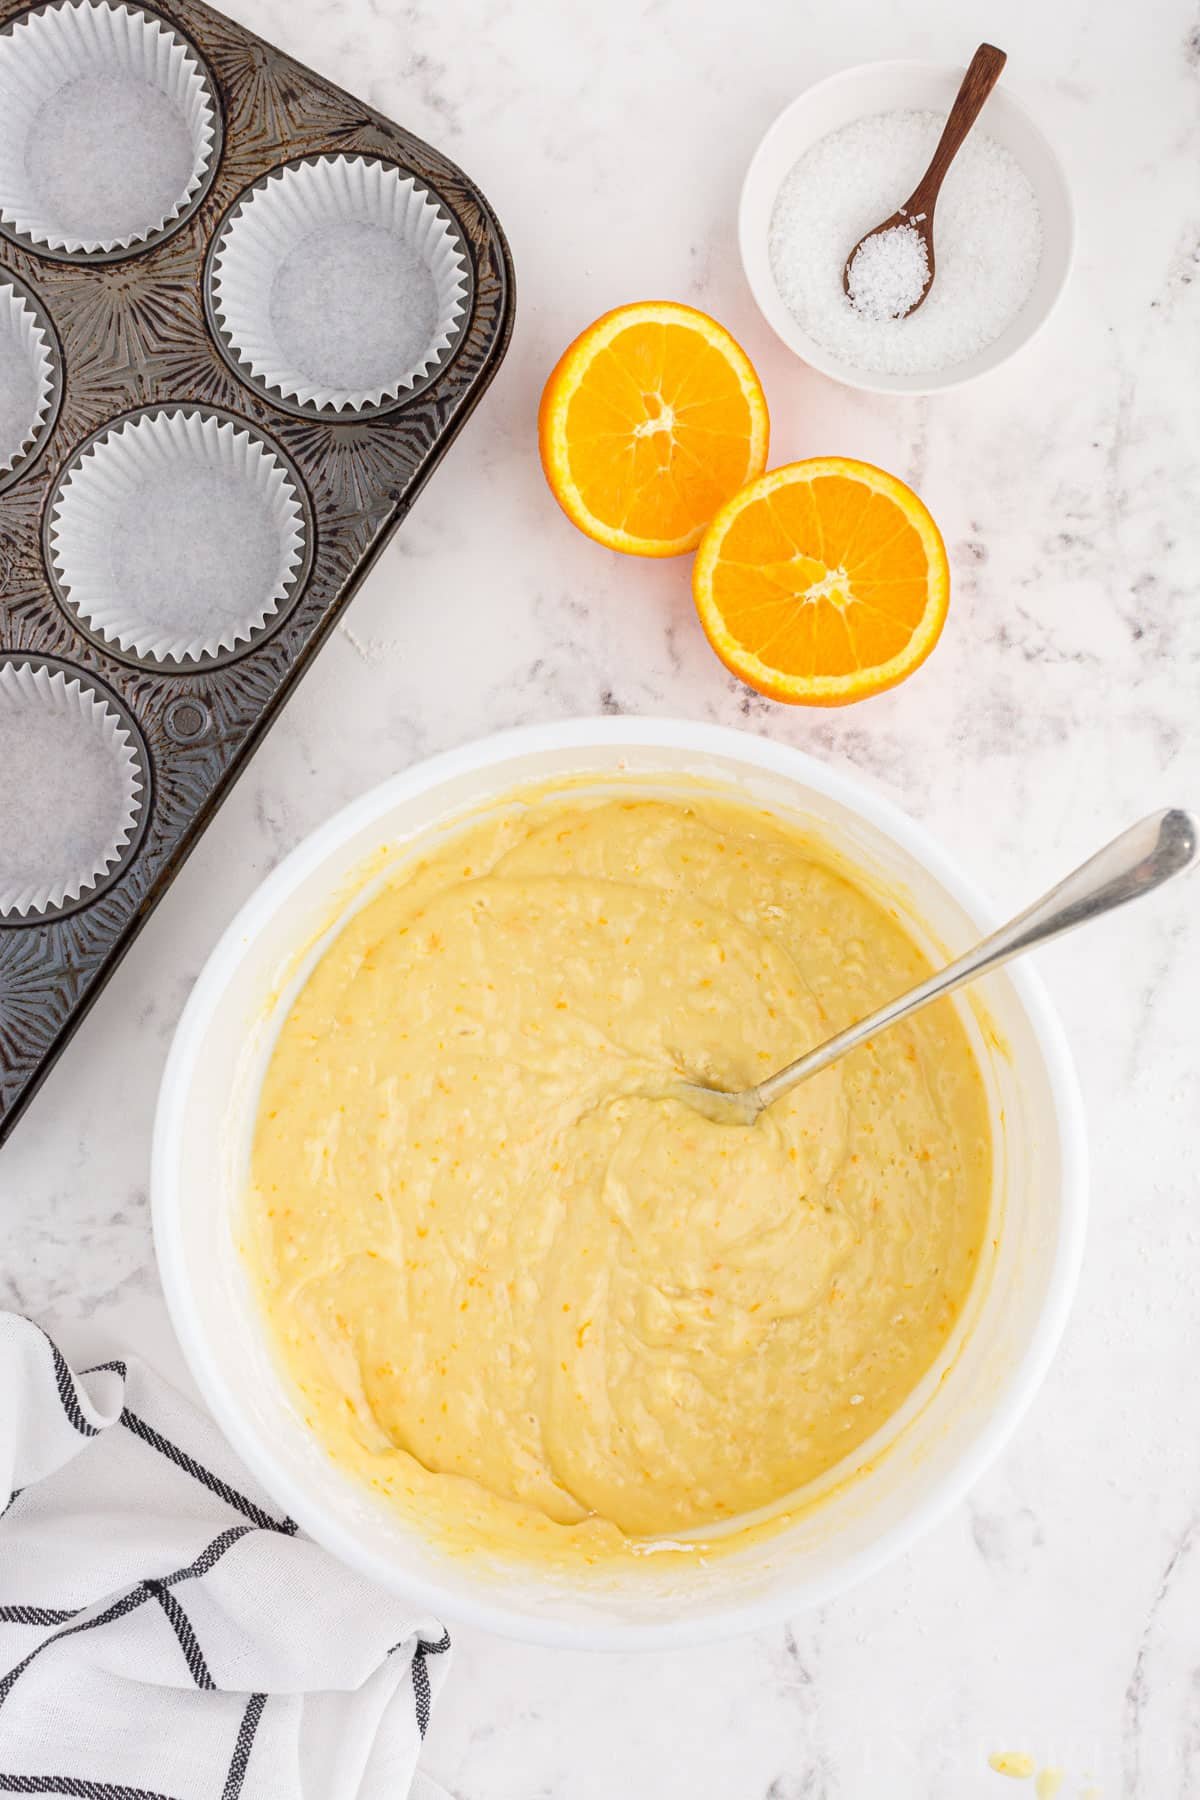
pixel 164 1633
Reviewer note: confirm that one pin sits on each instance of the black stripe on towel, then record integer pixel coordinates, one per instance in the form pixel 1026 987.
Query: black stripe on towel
pixel 182 1627
pixel 128 1602
pixel 75 1786
pixel 421 1694
pixel 243 1747
pixel 67 1391
pixel 199 1473
pixel 422 1697
pixel 38 1615
pixel 208 1557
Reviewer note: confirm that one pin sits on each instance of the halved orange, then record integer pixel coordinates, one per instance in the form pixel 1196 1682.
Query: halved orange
pixel 822 582
pixel 650 420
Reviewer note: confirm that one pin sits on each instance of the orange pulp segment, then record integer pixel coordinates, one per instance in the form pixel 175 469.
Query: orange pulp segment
pixel 822 582
pixel 651 419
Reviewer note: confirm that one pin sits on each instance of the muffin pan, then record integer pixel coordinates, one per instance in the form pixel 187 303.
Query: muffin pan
pixel 242 316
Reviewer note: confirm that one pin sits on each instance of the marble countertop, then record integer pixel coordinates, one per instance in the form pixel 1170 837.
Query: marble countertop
pixel 1055 1611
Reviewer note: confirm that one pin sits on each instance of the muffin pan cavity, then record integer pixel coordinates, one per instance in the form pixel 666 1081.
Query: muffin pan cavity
pixel 159 479
pixel 108 128
pixel 30 376
pixel 338 285
pixel 74 791
pixel 185 509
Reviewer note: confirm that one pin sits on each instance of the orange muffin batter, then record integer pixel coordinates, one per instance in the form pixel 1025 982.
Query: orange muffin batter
pixel 523 1287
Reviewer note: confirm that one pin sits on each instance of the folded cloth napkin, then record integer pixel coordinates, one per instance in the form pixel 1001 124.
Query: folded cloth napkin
pixel 164 1633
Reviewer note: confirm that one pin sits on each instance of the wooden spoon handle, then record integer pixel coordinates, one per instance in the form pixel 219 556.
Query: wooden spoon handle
pixel 982 74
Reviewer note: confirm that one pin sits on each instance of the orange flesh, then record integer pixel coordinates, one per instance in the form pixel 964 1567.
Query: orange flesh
pixel 648 425
pixel 823 579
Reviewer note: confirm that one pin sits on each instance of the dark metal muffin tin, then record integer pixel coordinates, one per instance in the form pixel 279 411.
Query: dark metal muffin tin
pixel 131 333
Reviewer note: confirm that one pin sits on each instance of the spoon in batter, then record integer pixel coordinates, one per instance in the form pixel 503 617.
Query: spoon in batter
pixel 1135 863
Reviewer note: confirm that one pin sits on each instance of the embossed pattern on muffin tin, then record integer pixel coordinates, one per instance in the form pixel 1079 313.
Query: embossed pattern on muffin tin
pixel 129 334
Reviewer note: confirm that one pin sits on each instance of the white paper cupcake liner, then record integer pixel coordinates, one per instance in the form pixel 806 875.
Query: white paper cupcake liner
pixel 339 284
pixel 73 791
pixel 176 535
pixel 27 377
pixel 107 127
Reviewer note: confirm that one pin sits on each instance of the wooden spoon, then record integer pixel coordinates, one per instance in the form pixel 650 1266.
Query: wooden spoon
pixel 917 212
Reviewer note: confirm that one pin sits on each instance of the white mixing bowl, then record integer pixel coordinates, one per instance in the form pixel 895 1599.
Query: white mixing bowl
pixel 917 1466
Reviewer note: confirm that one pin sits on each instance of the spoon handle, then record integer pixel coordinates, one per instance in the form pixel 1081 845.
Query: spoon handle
pixel 983 72
pixel 1135 863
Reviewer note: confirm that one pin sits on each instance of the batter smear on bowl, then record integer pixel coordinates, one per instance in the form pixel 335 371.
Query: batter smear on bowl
pixel 520 1287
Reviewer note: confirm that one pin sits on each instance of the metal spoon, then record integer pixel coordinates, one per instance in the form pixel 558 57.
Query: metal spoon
pixel 982 74
pixel 1135 863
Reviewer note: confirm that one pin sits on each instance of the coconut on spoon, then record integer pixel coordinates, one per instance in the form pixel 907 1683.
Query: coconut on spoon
pixel 889 272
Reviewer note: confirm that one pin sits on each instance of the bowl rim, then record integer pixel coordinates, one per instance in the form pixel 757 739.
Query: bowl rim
pixel 513 1621
pixel 756 262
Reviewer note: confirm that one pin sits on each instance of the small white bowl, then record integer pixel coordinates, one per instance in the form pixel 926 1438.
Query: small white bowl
pixel 902 87
pixel 905 1477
